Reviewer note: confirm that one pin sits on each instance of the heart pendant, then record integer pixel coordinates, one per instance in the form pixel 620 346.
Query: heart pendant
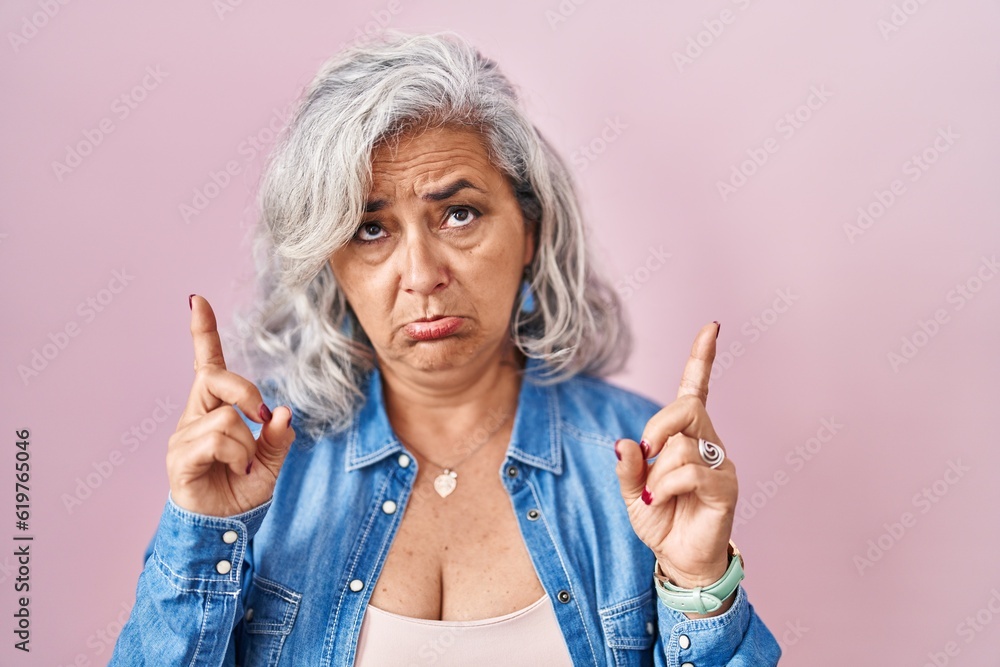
pixel 445 482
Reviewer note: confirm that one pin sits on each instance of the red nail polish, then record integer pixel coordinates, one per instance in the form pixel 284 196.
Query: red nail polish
pixel 647 496
pixel 718 329
pixel 190 305
pixel 645 448
pixel 249 465
pixel 617 453
pixel 265 413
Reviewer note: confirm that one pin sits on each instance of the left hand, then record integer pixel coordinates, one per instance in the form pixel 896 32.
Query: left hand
pixel 689 520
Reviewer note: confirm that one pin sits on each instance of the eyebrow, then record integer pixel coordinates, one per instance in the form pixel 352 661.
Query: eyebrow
pixel 436 195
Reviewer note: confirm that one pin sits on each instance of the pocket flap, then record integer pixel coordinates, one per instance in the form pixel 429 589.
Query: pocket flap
pixel 630 624
pixel 270 607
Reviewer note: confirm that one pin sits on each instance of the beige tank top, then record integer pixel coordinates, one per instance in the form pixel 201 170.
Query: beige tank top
pixel 529 636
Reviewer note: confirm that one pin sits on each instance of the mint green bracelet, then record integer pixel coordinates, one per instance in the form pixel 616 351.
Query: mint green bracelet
pixel 704 599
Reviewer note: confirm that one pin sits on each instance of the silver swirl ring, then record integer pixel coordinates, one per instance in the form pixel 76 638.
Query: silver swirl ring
pixel 711 453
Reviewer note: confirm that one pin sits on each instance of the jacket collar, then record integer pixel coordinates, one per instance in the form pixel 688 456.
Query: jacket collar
pixel 535 438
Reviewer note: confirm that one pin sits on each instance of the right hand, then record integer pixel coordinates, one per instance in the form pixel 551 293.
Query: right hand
pixel 214 464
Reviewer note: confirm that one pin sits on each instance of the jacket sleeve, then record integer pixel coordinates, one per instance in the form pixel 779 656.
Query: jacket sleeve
pixel 736 638
pixel 189 598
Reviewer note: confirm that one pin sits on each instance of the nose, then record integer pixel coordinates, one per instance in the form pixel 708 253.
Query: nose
pixel 422 266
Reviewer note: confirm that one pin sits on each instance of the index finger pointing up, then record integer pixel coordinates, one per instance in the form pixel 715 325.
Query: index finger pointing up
pixel 699 365
pixel 205 334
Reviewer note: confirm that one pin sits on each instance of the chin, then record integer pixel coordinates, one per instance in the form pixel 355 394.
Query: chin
pixel 435 355
pixel 442 354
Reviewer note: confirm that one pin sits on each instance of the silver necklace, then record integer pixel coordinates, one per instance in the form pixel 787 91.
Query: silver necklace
pixel 447 479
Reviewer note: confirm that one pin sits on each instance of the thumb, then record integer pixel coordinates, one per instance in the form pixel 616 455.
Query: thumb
pixel 276 437
pixel 631 469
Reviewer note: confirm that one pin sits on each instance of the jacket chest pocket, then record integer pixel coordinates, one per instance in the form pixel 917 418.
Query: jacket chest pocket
pixel 268 617
pixel 630 629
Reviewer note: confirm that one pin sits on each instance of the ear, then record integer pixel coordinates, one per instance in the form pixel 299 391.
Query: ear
pixel 530 241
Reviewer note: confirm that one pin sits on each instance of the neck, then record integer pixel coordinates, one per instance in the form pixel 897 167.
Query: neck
pixel 448 415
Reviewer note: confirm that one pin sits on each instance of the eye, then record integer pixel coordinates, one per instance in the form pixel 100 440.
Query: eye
pixel 462 213
pixel 368 227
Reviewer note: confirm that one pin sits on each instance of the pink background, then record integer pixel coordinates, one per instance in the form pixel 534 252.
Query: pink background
pixel 670 135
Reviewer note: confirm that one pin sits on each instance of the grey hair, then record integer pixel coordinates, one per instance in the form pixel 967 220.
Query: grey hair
pixel 305 340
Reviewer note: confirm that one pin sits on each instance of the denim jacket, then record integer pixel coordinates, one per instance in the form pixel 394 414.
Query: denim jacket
pixel 302 566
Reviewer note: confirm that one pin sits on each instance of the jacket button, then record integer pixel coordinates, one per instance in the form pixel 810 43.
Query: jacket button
pixel 223 567
pixel 388 507
pixel 563 595
pixel 249 615
pixel 683 641
pixel 403 460
pixel 649 629
pixel 533 515
pixel 357 585
pixel 512 471
pixel 688 664
pixel 230 536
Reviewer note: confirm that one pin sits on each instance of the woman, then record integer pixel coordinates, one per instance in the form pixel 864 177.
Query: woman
pixel 434 322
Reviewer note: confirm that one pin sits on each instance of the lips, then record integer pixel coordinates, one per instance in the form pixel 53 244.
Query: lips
pixel 433 328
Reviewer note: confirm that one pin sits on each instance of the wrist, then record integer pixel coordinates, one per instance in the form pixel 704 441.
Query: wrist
pixel 701 579
pixel 708 592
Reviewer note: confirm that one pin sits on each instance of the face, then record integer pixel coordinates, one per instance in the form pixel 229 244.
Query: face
pixel 443 237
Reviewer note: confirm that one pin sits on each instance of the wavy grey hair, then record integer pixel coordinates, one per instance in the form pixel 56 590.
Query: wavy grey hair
pixel 304 339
